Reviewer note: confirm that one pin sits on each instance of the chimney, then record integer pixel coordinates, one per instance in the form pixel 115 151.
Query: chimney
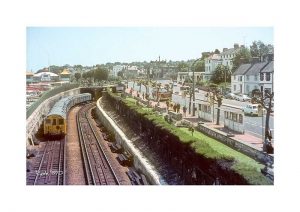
pixel 255 60
pixel 236 46
pixel 225 49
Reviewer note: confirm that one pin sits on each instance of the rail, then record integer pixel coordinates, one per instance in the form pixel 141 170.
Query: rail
pixel 100 160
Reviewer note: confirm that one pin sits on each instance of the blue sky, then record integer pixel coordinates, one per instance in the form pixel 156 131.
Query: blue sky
pixel 96 45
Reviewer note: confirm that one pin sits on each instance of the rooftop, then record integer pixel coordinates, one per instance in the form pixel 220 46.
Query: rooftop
pixel 65 71
pixel 269 68
pixel 242 69
pixel 256 68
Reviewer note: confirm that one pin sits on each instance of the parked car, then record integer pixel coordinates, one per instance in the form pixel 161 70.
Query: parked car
pixel 253 110
pixel 242 97
pixel 230 96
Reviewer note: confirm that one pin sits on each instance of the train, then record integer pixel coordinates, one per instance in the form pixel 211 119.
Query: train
pixel 55 123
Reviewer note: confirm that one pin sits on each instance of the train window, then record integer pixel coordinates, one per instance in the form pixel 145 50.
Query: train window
pixel 54 122
pixel 48 121
pixel 60 121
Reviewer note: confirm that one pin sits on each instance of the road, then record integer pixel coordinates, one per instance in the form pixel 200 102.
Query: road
pixel 253 125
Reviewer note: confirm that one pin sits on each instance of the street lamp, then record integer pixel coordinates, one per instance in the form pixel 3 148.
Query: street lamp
pixel 194 84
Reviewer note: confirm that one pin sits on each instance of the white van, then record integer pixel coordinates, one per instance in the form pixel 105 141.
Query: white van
pixel 253 109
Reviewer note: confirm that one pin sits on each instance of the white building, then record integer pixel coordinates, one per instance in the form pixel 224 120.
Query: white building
pixel 267 77
pixel 225 58
pixel 238 78
pixel 247 77
pixel 183 76
pixel 228 54
pixel 211 64
pixel 252 80
pixel 117 69
pixel 45 77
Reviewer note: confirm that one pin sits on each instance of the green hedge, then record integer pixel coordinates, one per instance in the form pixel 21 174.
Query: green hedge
pixel 206 146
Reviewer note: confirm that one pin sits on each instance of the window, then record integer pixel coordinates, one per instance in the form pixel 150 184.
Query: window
pixel 261 77
pixel 268 76
pixel 240 118
pixel 247 88
pixel 60 121
pixel 48 121
pixel 54 122
pixel 240 78
pixel 234 117
pixel 247 77
pixel 234 87
pixel 256 77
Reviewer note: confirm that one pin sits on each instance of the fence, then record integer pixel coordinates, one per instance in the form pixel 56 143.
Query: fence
pixel 49 94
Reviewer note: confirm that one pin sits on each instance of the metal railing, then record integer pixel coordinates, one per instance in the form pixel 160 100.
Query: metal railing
pixel 48 94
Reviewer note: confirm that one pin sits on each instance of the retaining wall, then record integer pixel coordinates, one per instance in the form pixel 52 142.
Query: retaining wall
pixel 34 121
pixel 139 161
pixel 238 145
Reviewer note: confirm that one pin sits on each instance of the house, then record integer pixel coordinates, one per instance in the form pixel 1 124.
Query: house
pixel 65 75
pixel 255 75
pixel 185 76
pixel 238 78
pixel 225 58
pixel 211 64
pixel 29 77
pixel 228 54
pixel 45 77
pixel 116 69
pixel 267 77
pixel 252 80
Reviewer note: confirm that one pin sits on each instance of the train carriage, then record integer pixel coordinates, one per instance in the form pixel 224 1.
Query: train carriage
pixel 55 124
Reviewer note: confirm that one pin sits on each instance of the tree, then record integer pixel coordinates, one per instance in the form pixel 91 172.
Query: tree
pixel 120 74
pixel 205 55
pixel 85 75
pixel 219 74
pixel 77 76
pixel 217 51
pixel 182 66
pixel 216 97
pixel 265 99
pixel 258 49
pixel 241 57
pixel 200 66
pixel 100 74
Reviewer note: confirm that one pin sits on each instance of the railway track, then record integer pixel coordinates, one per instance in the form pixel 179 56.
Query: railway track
pixel 49 170
pixel 97 168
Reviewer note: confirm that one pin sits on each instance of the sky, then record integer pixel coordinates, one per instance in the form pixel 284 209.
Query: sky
pixel 97 45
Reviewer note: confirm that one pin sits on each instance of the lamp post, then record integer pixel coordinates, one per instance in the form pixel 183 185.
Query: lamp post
pixel 194 84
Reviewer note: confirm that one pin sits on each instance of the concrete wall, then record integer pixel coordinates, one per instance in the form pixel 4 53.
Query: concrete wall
pixel 238 145
pixel 233 125
pixel 139 161
pixel 34 121
pixel 205 116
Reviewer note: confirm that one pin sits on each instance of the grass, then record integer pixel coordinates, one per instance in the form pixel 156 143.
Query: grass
pixel 244 165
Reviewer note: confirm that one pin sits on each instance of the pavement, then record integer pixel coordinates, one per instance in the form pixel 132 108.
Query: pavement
pixel 246 137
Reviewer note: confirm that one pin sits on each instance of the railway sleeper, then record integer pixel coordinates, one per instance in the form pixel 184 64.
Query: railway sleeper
pixel 116 148
pixel 136 179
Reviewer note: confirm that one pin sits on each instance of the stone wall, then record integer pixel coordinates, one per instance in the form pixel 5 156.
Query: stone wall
pixel 238 145
pixel 34 121
pixel 175 116
pixel 139 162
